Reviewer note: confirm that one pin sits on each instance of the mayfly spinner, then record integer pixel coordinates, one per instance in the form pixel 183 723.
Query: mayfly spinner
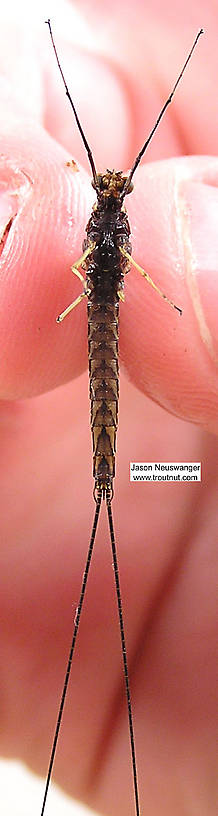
pixel 106 259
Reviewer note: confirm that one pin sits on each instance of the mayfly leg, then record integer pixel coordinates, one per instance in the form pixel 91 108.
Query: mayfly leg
pixel 149 280
pixel 75 270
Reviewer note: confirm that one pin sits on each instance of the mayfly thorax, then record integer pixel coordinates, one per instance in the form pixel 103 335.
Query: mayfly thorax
pixel 106 259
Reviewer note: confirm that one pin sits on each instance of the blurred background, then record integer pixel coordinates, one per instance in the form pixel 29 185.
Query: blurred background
pixel 132 36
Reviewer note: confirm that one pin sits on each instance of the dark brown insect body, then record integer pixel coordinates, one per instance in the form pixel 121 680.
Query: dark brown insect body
pixel 108 229
pixel 106 260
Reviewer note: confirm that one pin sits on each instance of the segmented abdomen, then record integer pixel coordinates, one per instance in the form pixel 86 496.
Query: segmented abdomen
pixel 104 388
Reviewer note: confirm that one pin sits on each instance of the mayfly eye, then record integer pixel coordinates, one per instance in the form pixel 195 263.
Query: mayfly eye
pixel 130 188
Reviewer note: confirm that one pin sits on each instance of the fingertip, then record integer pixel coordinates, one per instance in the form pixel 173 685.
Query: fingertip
pixel 46 208
pixel 172 360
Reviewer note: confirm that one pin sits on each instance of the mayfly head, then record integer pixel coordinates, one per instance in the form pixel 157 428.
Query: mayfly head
pixel 109 187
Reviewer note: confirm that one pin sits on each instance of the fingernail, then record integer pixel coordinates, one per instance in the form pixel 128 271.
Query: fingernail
pixel 199 210
pixel 14 186
pixel 6 216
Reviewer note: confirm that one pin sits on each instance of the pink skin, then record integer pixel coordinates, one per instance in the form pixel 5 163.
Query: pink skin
pixel 167 558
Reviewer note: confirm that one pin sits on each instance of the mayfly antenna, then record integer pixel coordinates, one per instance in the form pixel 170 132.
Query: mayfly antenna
pixel 161 114
pixel 88 149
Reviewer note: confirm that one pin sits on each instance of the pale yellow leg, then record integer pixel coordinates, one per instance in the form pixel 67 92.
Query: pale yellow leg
pixel 121 295
pixel 82 279
pixel 70 307
pixel 75 267
pixel 145 275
